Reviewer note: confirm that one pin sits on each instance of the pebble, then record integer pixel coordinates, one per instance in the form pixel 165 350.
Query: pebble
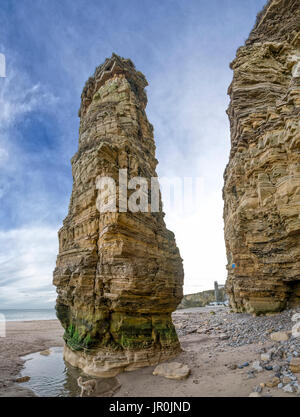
pixel 265 357
pixel 256 366
pixel 240 329
pixel 22 379
pixel 234 330
pixel 273 383
pixel 288 388
pixel 224 336
pixel 255 394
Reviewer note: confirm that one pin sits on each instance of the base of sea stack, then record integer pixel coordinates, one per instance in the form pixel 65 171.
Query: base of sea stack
pixel 264 296
pixel 107 364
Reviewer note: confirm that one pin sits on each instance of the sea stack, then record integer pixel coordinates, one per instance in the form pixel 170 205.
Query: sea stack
pixel 119 274
pixel 262 178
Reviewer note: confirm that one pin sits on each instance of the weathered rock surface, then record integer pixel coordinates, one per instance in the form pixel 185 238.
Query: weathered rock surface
pixel 255 394
pixel 296 317
pixel 262 179
pixel 279 336
pixel 295 365
pixel 119 274
pixel 173 370
pixel 296 330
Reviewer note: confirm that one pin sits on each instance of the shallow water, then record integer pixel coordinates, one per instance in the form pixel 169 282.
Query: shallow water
pixel 51 376
pixel 27 315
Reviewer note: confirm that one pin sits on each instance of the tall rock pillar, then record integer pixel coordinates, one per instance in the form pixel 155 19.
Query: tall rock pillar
pixel 119 274
pixel 262 179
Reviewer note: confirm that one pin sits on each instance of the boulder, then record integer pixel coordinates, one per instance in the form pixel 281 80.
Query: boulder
pixel 288 388
pixel 265 357
pixel 295 365
pixel 273 382
pixel 173 370
pixel 280 336
pixel 296 330
pixel 296 317
pixel 257 367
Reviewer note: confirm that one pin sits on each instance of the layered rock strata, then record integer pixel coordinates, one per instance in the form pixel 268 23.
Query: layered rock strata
pixel 119 274
pixel 262 179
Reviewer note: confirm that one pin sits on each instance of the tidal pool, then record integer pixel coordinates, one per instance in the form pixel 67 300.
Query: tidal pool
pixel 51 376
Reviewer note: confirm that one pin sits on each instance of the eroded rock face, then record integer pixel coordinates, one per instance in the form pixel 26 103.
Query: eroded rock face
pixel 262 179
pixel 119 275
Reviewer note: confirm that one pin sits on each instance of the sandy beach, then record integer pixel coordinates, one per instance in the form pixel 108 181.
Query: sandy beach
pixel 214 347
pixel 21 339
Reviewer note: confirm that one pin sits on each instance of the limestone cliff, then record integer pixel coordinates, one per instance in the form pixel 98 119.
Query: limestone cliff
pixel 262 179
pixel 119 274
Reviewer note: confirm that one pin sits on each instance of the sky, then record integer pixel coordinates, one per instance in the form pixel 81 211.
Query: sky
pixel 184 48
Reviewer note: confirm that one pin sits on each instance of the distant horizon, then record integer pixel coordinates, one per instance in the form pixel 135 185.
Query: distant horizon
pixel 31 309
pixel 53 308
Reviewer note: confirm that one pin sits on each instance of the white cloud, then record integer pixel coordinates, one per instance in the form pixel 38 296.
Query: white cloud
pixel 3 156
pixel 18 97
pixel 191 131
pixel 199 236
pixel 27 261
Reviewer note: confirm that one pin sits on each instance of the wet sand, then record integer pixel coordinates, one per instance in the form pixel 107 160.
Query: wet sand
pixel 211 373
pixel 21 339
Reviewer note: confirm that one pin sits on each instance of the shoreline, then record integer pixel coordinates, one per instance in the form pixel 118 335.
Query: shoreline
pixel 23 338
pixel 29 321
pixel 212 358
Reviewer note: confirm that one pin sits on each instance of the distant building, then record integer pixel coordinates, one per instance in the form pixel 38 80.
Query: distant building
pixel 220 296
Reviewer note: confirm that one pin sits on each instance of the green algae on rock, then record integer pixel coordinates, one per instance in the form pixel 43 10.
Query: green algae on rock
pixel 119 274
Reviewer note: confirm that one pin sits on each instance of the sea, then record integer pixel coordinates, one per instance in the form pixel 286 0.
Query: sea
pixel 27 315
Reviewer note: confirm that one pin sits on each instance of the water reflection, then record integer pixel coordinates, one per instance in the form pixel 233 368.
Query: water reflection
pixel 51 376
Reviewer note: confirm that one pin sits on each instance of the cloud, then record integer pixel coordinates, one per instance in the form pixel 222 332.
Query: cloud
pixel 192 134
pixel 27 261
pixel 28 151
pixel 3 156
pixel 51 49
pixel 18 98
pixel 198 227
